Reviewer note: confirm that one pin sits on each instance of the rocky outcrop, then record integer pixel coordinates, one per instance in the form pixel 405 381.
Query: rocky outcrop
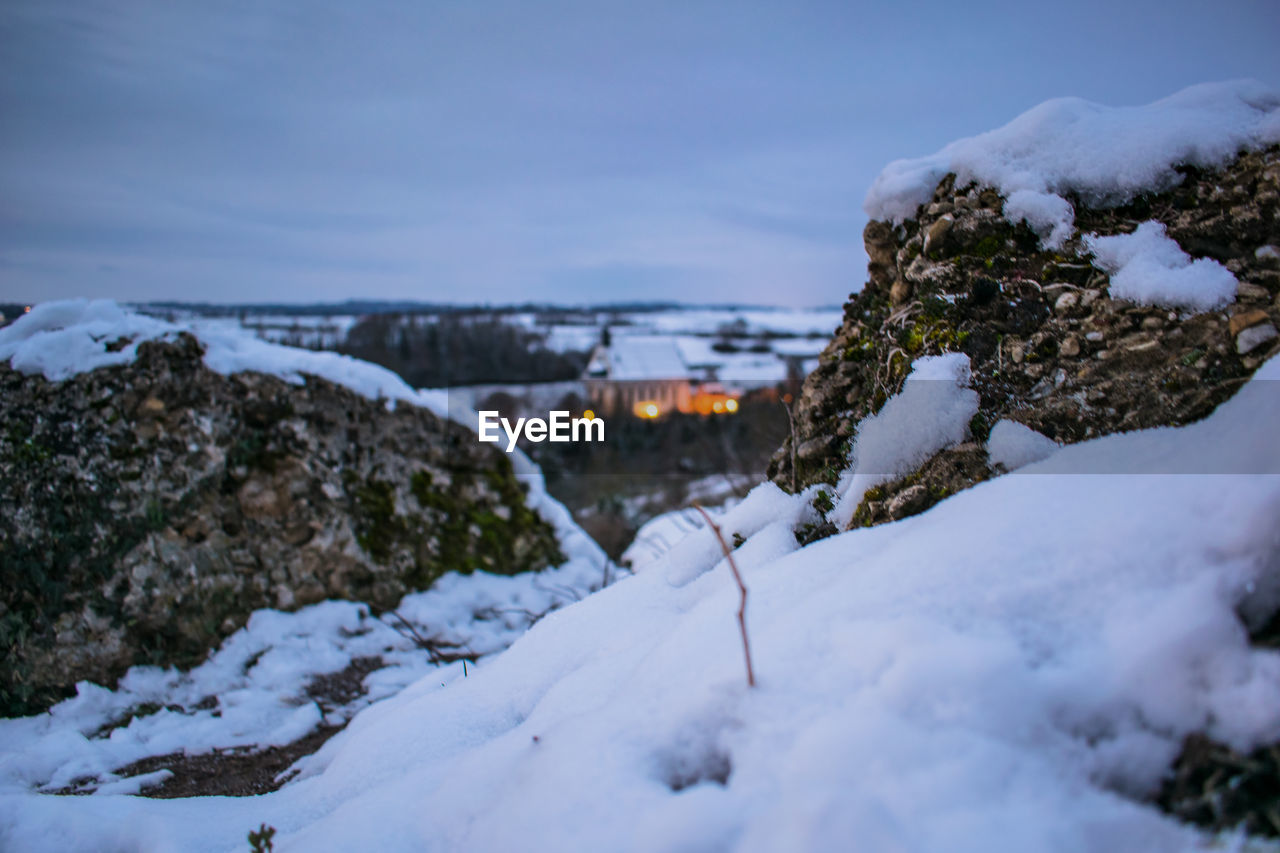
pixel 146 510
pixel 1049 346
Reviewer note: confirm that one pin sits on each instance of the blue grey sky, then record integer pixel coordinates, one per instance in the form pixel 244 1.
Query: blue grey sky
pixel 500 151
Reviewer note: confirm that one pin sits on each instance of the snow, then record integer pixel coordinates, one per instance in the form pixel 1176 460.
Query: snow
pixel 930 413
pixel 637 358
pixel 63 338
pixel 659 534
pixel 1148 267
pixel 1009 670
pixel 1013 445
pixel 319 331
pixel 1051 216
pixel 259 675
pixel 1105 155
pixel 803 322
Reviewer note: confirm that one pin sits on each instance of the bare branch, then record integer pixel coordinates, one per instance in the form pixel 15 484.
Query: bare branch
pixel 742 589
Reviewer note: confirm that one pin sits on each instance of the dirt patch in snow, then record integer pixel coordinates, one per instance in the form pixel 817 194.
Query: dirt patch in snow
pixel 246 771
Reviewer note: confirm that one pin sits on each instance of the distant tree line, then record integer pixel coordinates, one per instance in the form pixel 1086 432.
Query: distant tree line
pixel 444 350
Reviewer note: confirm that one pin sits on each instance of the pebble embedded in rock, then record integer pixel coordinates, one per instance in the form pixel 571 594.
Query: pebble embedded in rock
pixel 937 234
pixel 1245 319
pixel 1254 337
pixel 1246 292
pixel 1070 347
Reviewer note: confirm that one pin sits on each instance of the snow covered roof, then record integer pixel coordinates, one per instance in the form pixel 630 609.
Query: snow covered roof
pixel 1107 155
pixel 629 359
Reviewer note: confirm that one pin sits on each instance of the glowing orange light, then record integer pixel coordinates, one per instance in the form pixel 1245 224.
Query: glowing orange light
pixel 26 310
pixel 731 405
pixel 717 407
pixel 589 415
pixel 651 410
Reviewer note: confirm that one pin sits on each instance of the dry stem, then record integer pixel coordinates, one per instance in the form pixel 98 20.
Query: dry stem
pixel 742 589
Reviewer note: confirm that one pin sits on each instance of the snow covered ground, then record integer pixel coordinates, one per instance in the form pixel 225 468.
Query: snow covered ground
pixel 254 690
pixel 1010 670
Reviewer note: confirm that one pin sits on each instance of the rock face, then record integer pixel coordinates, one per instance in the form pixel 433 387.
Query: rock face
pixel 147 510
pixel 1049 347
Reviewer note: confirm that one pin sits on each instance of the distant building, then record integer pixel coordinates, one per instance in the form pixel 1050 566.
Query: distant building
pixel 649 378
pixel 643 376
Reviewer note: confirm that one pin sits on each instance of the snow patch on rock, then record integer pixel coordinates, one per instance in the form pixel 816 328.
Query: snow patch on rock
pixel 1013 445
pixel 63 338
pixel 1149 268
pixel 930 413
pixel 1105 155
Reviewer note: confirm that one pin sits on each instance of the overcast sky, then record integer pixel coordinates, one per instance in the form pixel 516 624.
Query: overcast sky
pixel 496 150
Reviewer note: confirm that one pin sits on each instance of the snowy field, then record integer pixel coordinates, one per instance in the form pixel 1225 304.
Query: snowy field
pixel 788 332
pixel 328 331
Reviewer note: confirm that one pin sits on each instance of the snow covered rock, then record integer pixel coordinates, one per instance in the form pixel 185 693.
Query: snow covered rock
pixel 1103 271
pixel 148 506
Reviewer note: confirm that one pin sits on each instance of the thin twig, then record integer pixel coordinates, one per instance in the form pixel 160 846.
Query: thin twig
pixel 557 589
pixel 418 639
pixel 792 421
pixel 742 589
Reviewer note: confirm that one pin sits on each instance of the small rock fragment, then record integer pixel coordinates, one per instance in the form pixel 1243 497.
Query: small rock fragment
pixel 1245 319
pixel 1246 292
pixel 1254 337
pixel 938 233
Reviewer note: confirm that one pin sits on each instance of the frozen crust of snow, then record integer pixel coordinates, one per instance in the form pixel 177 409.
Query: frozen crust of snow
pixel 1105 155
pixel 1148 267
